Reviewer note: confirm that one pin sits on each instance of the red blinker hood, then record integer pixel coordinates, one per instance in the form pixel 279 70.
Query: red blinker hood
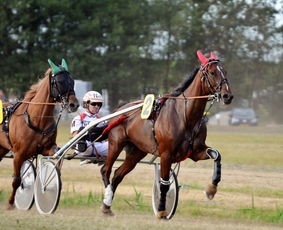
pixel 203 59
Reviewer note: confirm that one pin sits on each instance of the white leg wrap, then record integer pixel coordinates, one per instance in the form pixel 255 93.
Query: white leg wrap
pixel 212 153
pixel 108 196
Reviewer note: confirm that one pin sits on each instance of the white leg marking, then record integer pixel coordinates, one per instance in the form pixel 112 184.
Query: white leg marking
pixel 108 195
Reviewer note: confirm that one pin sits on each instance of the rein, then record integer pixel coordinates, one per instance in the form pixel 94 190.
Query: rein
pixel 189 98
pixel 41 103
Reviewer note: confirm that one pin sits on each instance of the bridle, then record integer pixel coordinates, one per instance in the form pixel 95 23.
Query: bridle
pixel 206 76
pixel 61 93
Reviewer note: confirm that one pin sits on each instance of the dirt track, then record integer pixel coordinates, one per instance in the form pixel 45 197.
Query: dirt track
pixel 242 186
pixel 83 179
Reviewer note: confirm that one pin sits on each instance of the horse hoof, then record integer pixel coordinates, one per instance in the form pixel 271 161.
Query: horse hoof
pixel 210 191
pixel 209 196
pixel 106 210
pixel 10 207
pixel 162 215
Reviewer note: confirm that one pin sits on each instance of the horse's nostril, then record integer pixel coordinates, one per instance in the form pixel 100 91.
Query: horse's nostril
pixel 73 105
pixel 225 96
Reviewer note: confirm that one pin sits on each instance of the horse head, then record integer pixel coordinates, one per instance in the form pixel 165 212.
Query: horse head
pixel 62 86
pixel 214 77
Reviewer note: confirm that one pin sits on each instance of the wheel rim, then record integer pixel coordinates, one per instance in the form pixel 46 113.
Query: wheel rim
pixel 24 197
pixel 171 196
pixel 47 188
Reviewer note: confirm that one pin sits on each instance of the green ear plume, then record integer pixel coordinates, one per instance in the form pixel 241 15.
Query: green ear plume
pixel 64 64
pixel 55 68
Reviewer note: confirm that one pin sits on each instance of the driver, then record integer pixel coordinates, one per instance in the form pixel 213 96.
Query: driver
pixel 89 146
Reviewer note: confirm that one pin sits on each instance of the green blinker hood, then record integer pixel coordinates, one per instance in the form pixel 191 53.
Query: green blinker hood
pixel 56 69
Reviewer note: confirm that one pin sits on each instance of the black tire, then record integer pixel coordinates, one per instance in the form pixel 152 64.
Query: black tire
pixel 172 196
pixel 47 188
pixel 24 197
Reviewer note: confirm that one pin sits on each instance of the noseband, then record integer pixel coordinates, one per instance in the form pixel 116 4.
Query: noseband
pixel 206 75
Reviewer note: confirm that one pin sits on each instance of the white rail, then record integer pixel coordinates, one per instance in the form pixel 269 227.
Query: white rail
pixel 61 152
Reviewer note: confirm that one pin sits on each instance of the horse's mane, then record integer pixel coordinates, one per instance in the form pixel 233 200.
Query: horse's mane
pixel 33 89
pixel 182 87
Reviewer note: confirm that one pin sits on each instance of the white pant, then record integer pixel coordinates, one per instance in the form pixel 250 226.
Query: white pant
pixel 95 149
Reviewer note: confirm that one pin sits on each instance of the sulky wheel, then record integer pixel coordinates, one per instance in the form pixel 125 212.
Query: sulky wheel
pixel 172 194
pixel 47 188
pixel 24 195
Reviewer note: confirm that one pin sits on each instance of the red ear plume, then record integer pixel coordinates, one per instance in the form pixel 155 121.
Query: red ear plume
pixel 202 58
pixel 213 56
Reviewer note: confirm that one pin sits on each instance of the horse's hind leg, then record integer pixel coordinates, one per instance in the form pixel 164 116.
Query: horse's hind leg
pixel 132 158
pixel 16 180
pixel 113 152
pixel 3 152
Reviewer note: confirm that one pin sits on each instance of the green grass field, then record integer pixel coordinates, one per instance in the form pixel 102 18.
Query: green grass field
pixel 250 194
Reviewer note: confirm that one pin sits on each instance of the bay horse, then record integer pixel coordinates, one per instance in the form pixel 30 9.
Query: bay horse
pixel 32 129
pixel 177 133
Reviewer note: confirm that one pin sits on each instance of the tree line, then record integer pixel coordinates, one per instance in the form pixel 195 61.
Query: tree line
pixel 133 47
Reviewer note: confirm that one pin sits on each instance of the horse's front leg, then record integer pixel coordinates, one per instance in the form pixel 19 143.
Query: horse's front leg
pixel 216 177
pixel 165 166
pixel 16 180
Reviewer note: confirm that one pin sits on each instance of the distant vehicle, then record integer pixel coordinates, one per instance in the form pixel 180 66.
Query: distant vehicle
pixel 240 116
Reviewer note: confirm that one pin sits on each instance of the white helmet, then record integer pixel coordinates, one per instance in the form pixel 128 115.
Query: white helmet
pixel 92 96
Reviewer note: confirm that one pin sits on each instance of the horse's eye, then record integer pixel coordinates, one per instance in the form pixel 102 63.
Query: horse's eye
pixel 212 73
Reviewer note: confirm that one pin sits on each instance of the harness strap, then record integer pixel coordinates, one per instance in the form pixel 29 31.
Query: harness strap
pixel 154 137
pixel 195 132
pixel 45 132
pixel 158 104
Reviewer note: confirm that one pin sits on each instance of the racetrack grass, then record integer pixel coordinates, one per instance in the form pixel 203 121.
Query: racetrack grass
pixel 256 149
pixel 250 195
pixel 241 145
pixel 190 207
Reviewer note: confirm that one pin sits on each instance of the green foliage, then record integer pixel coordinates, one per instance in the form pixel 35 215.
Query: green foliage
pixel 79 200
pixel 4 195
pixel 138 201
pixel 266 215
pixel 74 199
pixel 136 47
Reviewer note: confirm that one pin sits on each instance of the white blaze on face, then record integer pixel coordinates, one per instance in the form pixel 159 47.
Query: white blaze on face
pixel 223 77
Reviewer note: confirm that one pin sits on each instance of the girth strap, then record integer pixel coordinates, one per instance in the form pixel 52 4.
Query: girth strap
pixel 45 132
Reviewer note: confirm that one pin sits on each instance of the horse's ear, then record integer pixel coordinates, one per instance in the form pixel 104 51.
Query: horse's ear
pixel 202 58
pixel 55 68
pixel 64 64
pixel 213 56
